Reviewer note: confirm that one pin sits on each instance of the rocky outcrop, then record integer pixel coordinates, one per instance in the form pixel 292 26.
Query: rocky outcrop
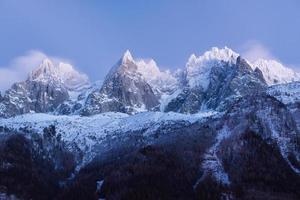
pixel 32 96
pixel 227 81
pixel 124 90
pixel 46 88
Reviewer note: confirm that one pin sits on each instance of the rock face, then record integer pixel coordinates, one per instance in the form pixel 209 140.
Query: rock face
pixel 124 90
pixel 31 96
pixel 45 89
pixel 225 82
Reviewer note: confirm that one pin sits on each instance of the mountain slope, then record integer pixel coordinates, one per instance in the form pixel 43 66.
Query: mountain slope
pixel 61 72
pixel 45 89
pixel 162 82
pixel 151 147
pixel 288 94
pixel 275 73
pixel 124 90
pixel 214 80
pixel 198 69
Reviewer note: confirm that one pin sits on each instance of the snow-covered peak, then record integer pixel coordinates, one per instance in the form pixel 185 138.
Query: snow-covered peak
pixel 147 68
pixel 215 54
pixel 160 81
pixel 198 68
pixel 47 63
pixel 62 73
pixel 225 54
pixel 126 65
pixel 274 72
pixel 192 59
pixel 44 72
pixel 127 57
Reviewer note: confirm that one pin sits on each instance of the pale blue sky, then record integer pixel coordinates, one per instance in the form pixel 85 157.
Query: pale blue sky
pixel 93 34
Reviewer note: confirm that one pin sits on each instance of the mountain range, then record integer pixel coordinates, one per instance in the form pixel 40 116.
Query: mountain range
pixel 133 86
pixel 219 128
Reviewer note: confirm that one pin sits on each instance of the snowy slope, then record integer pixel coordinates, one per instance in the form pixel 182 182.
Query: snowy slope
pixel 286 93
pixel 275 73
pixel 97 125
pixel 86 132
pixel 161 81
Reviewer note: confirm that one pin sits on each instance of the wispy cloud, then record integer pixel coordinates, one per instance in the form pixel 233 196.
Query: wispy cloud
pixel 253 50
pixel 19 68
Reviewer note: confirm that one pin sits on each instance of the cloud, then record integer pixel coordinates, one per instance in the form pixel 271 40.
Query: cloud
pixel 19 68
pixel 253 50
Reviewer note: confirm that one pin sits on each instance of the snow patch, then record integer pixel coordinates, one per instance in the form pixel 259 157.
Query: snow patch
pixel 212 165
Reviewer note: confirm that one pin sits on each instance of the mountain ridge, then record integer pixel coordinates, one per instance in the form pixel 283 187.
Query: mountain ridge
pixel 140 76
